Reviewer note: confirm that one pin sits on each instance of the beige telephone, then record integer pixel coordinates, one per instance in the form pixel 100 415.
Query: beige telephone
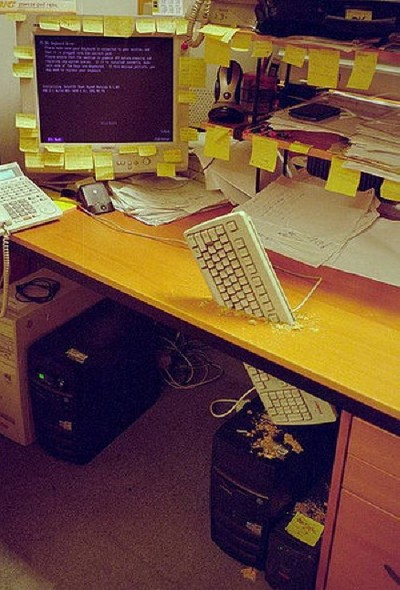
pixel 236 13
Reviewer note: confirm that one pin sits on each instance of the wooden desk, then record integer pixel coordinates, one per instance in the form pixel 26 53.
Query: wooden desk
pixel 347 345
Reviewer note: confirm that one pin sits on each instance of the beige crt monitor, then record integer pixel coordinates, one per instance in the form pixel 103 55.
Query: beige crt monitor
pixel 95 98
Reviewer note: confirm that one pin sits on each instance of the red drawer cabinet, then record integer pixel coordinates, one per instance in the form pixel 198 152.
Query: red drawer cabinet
pixel 361 550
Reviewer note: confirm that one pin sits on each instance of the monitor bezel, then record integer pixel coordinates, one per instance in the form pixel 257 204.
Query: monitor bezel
pixel 124 164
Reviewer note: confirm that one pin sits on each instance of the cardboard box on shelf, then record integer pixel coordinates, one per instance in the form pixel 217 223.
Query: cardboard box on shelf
pixel 24 323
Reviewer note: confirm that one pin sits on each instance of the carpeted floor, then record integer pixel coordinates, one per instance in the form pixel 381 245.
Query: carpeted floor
pixel 135 518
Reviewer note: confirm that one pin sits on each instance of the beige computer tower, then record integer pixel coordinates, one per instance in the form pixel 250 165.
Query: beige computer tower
pixel 23 324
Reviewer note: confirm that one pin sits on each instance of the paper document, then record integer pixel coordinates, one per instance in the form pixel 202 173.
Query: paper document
pixel 355 111
pixel 155 200
pixel 300 219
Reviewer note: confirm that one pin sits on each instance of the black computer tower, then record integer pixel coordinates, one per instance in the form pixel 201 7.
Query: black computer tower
pixel 292 557
pixel 250 491
pixel 90 379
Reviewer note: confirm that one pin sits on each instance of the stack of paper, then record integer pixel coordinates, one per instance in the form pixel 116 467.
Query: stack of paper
pixel 356 110
pixel 156 200
pixel 375 147
pixel 300 219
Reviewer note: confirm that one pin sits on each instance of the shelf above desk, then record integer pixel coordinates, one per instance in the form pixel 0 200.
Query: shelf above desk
pixel 346 347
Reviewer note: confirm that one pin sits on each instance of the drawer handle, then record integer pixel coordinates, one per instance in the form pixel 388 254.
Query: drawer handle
pixel 392 574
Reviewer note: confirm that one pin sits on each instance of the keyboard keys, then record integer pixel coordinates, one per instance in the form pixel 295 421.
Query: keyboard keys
pixel 237 268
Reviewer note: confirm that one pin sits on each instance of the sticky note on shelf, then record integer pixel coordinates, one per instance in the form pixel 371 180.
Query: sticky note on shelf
pixel 264 153
pixel 262 49
pixel 218 143
pixel 241 42
pixel 342 180
pixel 294 55
pixel 305 529
pixel 363 71
pixel 390 190
pixel 299 148
pixel 323 67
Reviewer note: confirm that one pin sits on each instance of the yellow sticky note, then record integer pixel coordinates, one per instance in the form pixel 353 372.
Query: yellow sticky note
pixel 166 169
pixel 147 150
pixel 217 52
pixel 23 69
pixel 218 143
pixel 295 55
pixel 23 52
pixel 118 26
pixel 93 24
pixel 34 160
pixel 165 25
pixel 188 134
pixel 187 97
pixel 264 153
pixel 55 148
pixel 299 148
pixel 54 159
pixel 78 157
pixel 103 165
pixel 241 41
pixel 145 25
pixel 25 120
pixel 216 30
pixel 323 67
pixel 363 71
pixel 181 26
pixel 25 132
pixel 17 17
pixel 71 22
pixel 305 529
pixel 49 23
pixel 342 180
pixel 192 72
pixel 390 190
pixel 128 149
pixel 29 144
pixel 262 49
pixel 173 156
